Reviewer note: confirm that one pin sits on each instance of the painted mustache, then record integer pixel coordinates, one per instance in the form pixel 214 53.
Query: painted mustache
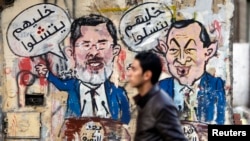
pixel 95 63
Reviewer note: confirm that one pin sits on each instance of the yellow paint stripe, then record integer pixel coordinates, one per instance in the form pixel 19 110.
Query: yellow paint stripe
pixel 115 9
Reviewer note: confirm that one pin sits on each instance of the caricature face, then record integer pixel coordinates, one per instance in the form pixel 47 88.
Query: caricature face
pixel 94 54
pixel 186 56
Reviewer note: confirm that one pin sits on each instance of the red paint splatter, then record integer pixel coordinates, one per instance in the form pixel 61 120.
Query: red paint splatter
pixel 120 63
pixel 40 30
pixel 218 28
pixel 24 65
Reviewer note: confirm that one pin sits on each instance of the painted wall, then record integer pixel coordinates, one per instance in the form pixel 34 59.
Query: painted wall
pixel 65 63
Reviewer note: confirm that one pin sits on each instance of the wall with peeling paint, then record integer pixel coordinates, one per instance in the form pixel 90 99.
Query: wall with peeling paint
pixel 65 62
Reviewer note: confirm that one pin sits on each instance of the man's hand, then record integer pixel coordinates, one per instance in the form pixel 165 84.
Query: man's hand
pixel 41 69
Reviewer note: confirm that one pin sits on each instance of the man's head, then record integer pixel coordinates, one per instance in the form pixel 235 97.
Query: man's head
pixel 93 48
pixel 146 67
pixel 188 49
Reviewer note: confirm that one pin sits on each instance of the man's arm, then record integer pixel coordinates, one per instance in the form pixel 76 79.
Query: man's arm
pixel 168 124
pixel 62 85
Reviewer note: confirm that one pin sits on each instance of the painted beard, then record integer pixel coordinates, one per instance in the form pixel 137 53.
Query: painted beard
pixel 94 77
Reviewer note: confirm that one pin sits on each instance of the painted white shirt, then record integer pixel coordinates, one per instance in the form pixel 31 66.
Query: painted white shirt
pixel 179 91
pixel 101 102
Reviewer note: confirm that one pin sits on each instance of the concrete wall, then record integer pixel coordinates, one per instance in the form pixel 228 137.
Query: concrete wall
pixel 241 73
pixel 45 85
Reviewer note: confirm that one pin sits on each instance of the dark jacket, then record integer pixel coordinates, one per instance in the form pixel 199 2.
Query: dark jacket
pixel 157 118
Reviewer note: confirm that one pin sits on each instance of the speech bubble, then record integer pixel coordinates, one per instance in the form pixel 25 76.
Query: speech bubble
pixel 38 30
pixel 142 25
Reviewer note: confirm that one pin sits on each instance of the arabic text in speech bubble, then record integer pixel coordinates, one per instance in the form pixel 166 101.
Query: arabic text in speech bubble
pixel 142 25
pixel 38 30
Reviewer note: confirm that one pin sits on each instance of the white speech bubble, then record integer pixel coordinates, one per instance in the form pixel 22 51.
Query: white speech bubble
pixel 38 30
pixel 141 26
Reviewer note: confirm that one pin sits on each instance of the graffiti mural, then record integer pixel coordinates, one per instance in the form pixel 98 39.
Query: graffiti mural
pixel 198 94
pixel 186 45
pixel 90 57
pixel 90 93
pixel 66 64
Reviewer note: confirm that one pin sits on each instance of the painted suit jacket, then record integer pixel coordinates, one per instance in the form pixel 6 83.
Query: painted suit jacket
pixel 211 97
pixel 116 96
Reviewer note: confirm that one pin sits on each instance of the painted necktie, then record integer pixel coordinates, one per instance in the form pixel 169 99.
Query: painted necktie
pixel 94 106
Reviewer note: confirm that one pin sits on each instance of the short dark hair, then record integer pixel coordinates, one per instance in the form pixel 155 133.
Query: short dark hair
pixel 150 61
pixel 184 23
pixel 91 20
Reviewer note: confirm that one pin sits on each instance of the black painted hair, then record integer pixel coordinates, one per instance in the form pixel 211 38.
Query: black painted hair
pixel 184 23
